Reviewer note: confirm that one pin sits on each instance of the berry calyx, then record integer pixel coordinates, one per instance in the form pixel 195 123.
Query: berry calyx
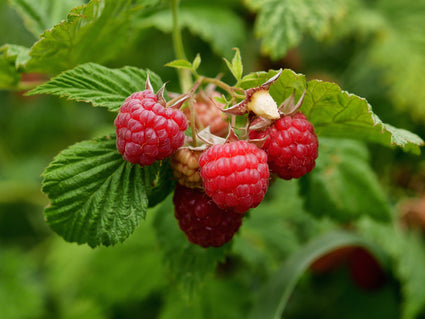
pixel 235 175
pixel 203 222
pixel 291 146
pixel 185 165
pixel 147 130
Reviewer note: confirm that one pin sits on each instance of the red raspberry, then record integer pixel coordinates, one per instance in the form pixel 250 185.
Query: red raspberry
pixel 185 164
pixel 291 146
pixel 235 175
pixel 201 220
pixel 146 130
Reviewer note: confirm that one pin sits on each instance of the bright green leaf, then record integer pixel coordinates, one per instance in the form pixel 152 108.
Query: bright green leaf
pixel 236 66
pixel 95 32
pixel 12 59
pixel 196 62
pixel 217 25
pixel 334 112
pixel 180 64
pixel 95 196
pixel 189 264
pixel 281 24
pixel 273 297
pixel 40 15
pixel 98 85
pixel 343 185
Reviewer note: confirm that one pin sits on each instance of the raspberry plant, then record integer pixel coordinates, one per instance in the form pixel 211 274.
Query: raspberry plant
pixel 199 173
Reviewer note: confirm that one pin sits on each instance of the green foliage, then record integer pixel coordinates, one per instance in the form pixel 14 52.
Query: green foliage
pixel 189 264
pixel 274 296
pixel 343 185
pixel 281 24
pixel 39 15
pixel 12 59
pixel 21 292
pixel 210 22
pixel 334 112
pixel 99 85
pixel 96 197
pixel 95 32
pixel 236 66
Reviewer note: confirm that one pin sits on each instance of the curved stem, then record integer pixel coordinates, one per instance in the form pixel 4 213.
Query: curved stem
pixel 184 75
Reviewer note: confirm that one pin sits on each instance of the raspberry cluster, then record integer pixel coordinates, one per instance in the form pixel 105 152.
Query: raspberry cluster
pixel 218 182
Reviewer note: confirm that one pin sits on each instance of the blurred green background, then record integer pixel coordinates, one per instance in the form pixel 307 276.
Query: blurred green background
pixel 375 49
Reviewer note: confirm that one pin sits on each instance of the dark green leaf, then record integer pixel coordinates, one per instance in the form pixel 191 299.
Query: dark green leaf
pixel 273 297
pixel 217 25
pixel 39 15
pixel 281 24
pixel 161 182
pixel 95 196
pixel 189 264
pixel 94 32
pixel 98 85
pixel 343 185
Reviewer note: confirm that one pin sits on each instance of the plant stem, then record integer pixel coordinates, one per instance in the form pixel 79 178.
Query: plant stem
pixel 227 88
pixel 184 75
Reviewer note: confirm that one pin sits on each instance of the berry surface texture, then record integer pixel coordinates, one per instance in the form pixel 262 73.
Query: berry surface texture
pixel 235 175
pixel 148 131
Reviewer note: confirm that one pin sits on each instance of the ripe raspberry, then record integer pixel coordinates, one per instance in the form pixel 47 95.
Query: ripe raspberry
pixel 201 220
pixel 146 130
pixel 291 146
pixel 207 114
pixel 235 175
pixel 186 167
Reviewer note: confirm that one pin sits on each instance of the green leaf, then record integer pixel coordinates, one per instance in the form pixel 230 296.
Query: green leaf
pixel 236 66
pixel 180 64
pixel 273 297
pixel 161 180
pixel 196 62
pixel 98 85
pixel 95 196
pixel 95 32
pixel 39 15
pixel 12 59
pixel 342 185
pixel 281 24
pixel 334 112
pixel 219 26
pixel 189 264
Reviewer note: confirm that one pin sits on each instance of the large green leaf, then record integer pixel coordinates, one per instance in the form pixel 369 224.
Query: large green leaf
pixel 95 196
pixel 98 85
pixel 273 297
pixel 94 32
pixel 281 24
pixel 189 264
pixel 217 25
pixel 335 112
pixel 343 185
pixel 39 15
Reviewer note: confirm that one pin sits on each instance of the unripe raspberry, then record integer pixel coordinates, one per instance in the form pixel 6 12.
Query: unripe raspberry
pixel 146 130
pixel 235 175
pixel 261 103
pixel 186 167
pixel 201 220
pixel 291 146
pixel 207 114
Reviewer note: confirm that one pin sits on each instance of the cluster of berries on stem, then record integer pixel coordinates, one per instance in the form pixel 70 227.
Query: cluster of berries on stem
pixel 219 174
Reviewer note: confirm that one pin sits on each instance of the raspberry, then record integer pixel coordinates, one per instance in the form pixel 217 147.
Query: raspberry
pixel 201 220
pixel 186 167
pixel 235 175
pixel 146 130
pixel 207 114
pixel 291 146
